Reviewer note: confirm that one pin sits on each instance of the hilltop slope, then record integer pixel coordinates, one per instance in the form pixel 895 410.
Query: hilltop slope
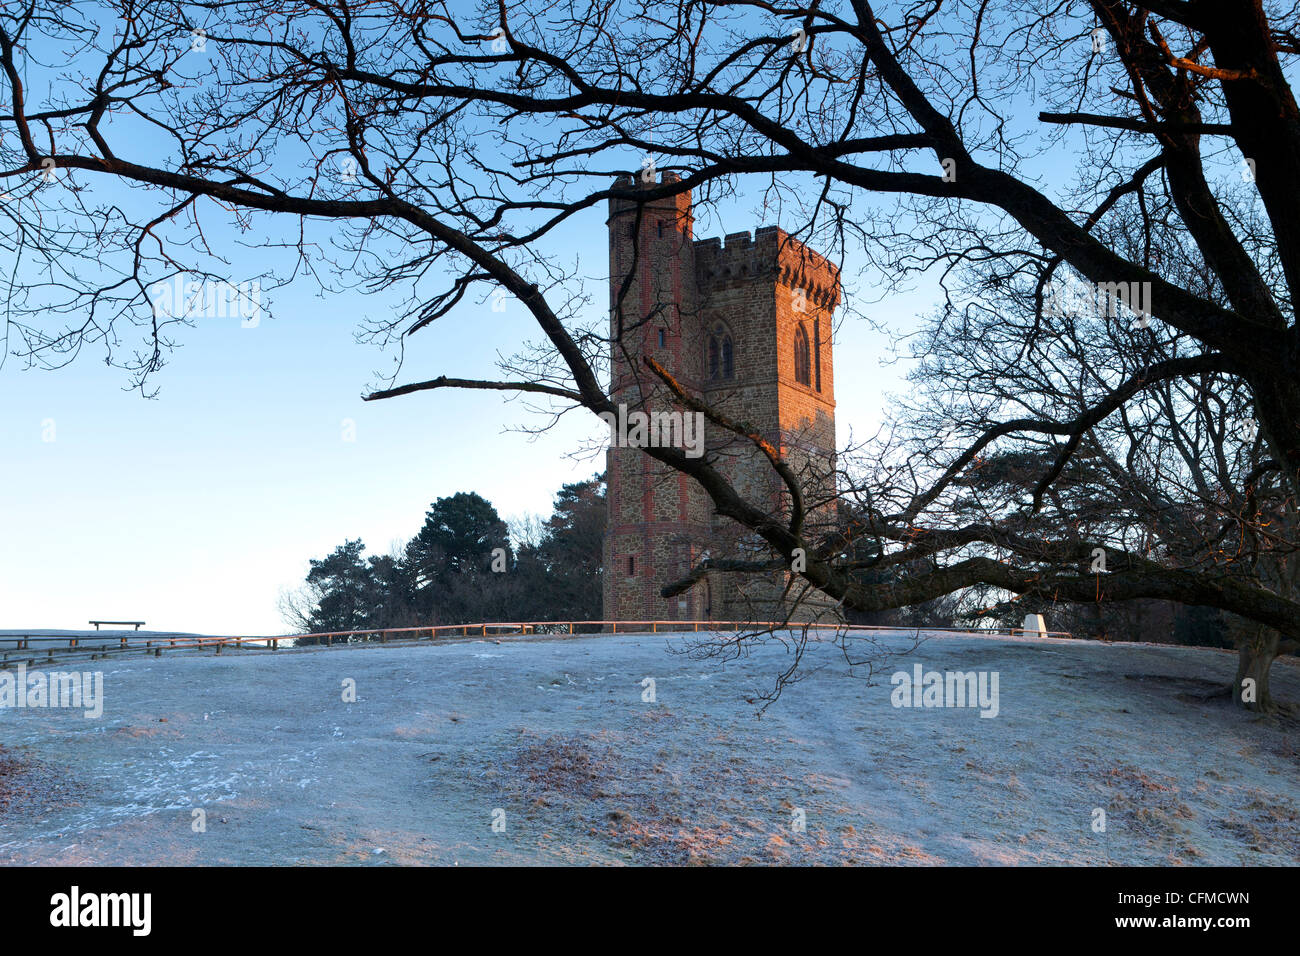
pixel 555 734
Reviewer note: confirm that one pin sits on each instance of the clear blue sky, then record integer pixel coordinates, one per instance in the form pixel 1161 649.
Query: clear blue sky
pixel 194 510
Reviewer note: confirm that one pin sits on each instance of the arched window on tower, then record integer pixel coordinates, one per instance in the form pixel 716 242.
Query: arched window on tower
pixel 802 356
pixel 719 354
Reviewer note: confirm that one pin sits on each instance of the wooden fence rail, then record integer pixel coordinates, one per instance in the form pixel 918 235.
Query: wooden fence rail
pixel 160 642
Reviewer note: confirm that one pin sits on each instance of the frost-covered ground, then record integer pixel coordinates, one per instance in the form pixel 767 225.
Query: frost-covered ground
pixel 552 738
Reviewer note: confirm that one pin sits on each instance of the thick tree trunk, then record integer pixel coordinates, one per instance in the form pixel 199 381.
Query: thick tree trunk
pixel 1255 655
pixel 1277 405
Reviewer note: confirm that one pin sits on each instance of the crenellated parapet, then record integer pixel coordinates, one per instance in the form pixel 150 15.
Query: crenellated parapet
pixel 772 255
pixel 676 207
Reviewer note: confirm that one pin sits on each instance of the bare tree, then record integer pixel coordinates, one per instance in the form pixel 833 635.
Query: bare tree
pixel 1177 476
pixel 443 146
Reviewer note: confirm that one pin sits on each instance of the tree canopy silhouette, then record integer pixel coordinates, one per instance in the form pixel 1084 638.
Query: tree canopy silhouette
pixel 1157 166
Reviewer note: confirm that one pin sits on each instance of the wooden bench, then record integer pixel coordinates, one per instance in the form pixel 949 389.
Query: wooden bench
pixel 138 625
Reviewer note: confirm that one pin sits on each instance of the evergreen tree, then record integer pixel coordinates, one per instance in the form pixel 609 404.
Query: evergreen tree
pixel 452 572
pixel 450 559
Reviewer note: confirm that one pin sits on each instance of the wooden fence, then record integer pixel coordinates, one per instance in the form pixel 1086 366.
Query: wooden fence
pixel 19 647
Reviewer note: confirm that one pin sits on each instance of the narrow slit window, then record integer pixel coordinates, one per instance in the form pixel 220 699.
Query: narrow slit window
pixel 817 353
pixel 802 357
pixel 719 356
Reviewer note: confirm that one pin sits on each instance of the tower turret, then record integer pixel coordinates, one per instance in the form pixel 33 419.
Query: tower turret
pixel 659 519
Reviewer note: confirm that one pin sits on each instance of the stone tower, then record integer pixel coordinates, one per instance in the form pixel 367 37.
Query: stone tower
pixel 746 324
